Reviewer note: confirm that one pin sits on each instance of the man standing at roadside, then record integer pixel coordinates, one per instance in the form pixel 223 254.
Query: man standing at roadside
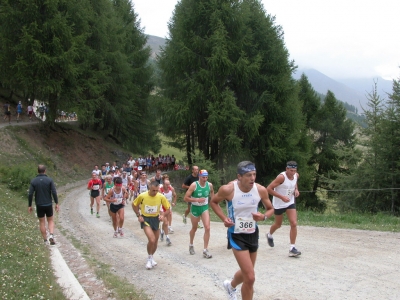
pixel 243 196
pixel 284 191
pixel 185 185
pixel 150 215
pixel 43 187
pixel 198 194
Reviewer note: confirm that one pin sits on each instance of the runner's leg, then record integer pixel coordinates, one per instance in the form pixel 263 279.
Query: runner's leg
pixel 245 275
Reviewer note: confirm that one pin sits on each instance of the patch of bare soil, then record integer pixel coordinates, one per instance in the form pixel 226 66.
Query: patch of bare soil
pixel 335 263
pixel 71 151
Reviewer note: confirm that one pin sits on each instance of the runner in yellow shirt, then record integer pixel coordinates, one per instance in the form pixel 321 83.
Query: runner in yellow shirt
pixel 147 208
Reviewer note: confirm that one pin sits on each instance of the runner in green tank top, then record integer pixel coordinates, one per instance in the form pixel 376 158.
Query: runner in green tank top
pixel 198 195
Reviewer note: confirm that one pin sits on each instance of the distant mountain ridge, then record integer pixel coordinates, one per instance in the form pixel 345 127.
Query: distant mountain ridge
pixel 155 43
pixel 353 90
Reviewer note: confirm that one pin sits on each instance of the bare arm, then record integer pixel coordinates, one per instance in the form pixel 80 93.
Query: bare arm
pixel 174 196
pixel 108 197
pixel 224 193
pixel 211 189
pixel 262 191
pixel 277 181
pixel 296 191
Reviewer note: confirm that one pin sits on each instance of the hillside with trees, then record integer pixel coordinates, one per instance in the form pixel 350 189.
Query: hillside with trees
pixel 221 87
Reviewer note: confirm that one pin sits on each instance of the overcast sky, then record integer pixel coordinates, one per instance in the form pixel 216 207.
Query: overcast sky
pixel 342 38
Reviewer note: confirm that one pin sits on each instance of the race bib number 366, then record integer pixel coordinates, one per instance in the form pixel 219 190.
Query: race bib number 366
pixel 247 225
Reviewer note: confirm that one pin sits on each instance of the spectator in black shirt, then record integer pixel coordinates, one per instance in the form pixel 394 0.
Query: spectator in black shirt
pixel 43 187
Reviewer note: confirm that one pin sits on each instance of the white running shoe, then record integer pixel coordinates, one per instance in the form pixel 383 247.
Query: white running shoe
pixel 206 254
pixel 149 264
pixel 170 230
pixel 51 240
pixel 153 262
pixel 231 291
pixel 168 241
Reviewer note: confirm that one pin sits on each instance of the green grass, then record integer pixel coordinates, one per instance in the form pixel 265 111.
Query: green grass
pixel 25 267
pixel 167 149
pixel 379 222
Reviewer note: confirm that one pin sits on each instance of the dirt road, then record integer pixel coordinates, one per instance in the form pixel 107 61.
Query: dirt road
pixel 335 263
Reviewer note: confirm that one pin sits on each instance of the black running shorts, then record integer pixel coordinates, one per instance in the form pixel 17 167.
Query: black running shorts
pixel 153 222
pixel 114 208
pixel 47 210
pixel 95 193
pixel 242 241
pixel 279 211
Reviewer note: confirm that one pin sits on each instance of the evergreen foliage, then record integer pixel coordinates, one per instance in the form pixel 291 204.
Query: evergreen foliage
pixel 84 56
pixel 227 85
pixel 334 144
pixel 372 180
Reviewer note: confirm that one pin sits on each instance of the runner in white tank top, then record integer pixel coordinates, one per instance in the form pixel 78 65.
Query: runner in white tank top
pixel 117 197
pixel 243 197
pixel 169 192
pixel 284 189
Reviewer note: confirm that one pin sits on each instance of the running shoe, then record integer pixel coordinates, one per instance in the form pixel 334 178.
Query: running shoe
pixel 162 235
pixel 121 233
pixel 97 215
pixel 51 240
pixel 168 241
pixel 231 291
pixel 149 265
pixel 191 250
pixel 206 254
pixel 115 234
pixel 170 230
pixel 199 225
pixel 294 252
pixel 184 219
pixel 153 262
pixel 46 242
pixel 91 211
pixel 270 240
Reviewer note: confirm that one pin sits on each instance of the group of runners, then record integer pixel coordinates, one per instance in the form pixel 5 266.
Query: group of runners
pixel 18 112
pixel 152 200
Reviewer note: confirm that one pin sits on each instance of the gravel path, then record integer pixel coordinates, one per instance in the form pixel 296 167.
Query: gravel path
pixel 335 264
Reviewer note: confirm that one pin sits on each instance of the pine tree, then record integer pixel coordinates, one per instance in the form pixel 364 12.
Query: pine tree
pixel 227 85
pixel 41 50
pixel 335 141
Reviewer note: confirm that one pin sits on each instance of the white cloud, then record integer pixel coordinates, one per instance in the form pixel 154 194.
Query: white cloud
pixel 342 38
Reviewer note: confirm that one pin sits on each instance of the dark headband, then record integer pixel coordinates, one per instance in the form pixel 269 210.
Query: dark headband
pixel 292 166
pixel 246 169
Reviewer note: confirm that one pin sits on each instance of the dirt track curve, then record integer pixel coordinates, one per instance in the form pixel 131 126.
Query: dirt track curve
pixel 335 263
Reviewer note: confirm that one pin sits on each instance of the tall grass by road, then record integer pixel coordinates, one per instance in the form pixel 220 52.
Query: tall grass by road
pixel 25 267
